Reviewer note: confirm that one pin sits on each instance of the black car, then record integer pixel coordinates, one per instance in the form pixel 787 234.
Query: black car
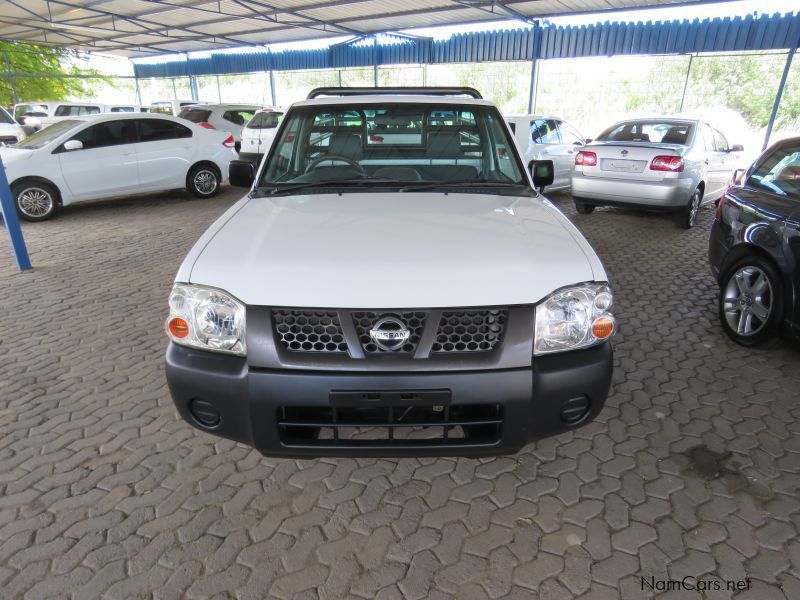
pixel 755 248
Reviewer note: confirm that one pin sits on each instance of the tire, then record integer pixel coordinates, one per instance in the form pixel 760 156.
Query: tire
pixel 35 201
pixel 203 181
pixel 686 218
pixel 750 304
pixel 583 208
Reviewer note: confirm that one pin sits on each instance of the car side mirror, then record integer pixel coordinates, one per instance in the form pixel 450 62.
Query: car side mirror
pixel 542 172
pixel 736 148
pixel 587 140
pixel 71 145
pixel 242 173
pixel 578 143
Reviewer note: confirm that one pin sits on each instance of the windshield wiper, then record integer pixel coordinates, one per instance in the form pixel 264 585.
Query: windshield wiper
pixel 445 185
pixel 275 190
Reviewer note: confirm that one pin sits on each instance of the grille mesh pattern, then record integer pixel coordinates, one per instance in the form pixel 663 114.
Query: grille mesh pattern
pixel 309 331
pixel 469 331
pixel 364 321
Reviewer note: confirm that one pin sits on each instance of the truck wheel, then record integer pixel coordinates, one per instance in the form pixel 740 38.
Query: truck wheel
pixel 686 217
pixel 750 302
pixel 203 181
pixel 584 209
pixel 35 201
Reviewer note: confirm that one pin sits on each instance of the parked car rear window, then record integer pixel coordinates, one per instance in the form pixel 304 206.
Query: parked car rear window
pixel 30 110
pixel 265 120
pixel 659 132
pixel 76 111
pixel 780 172
pixel 156 130
pixel 195 115
pixel 238 117
pixel 164 108
pixel 44 136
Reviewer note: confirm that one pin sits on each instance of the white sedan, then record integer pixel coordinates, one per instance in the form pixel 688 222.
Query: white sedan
pixel 113 155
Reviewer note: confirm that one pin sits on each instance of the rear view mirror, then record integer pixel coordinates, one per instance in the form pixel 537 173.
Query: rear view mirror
pixel 70 145
pixel 737 148
pixel 542 172
pixel 242 173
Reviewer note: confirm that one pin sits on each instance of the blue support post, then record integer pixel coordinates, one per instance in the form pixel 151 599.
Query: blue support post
pixel 375 60
pixel 11 220
pixel 779 95
pixel 537 40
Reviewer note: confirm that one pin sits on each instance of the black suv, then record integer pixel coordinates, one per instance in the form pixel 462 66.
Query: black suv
pixel 755 248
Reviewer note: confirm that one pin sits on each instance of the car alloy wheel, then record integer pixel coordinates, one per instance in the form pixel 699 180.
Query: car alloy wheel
pixel 205 181
pixel 694 207
pixel 748 301
pixel 35 202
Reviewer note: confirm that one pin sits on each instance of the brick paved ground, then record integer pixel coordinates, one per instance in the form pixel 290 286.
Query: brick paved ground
pixel 103 491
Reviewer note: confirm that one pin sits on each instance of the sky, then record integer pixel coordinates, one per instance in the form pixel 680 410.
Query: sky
pixel 701 11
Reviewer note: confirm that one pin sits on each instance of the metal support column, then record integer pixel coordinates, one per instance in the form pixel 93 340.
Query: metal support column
pixel 193 88
pixel 219 91
pixel 138 91
pixel 272 88
pixel 10 77
pixel 9 213
pixel 537 42
pixel 686 82
pixel 375 60
pixel 781 87
pixel 174 89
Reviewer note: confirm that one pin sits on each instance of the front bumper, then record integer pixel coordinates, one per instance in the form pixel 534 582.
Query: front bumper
pixel 667 194
pixel 557 393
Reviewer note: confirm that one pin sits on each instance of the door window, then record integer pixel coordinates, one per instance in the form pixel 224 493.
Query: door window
pixel 164 108
pixel 111 133
pixel 544 131
pixel 569 135
pixel 158 130
pixel 780 172
pixel 720 143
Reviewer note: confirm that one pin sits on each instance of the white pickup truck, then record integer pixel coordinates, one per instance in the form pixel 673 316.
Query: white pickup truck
pixel 408 297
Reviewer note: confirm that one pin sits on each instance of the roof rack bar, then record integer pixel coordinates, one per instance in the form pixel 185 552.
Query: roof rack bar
pixel 394 91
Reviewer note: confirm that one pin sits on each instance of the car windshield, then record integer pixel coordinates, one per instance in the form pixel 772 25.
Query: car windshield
pixel 43 137
pixel 654 131
pixel 5 117
pixel 780 172
pixel 422 145
pixel 265 120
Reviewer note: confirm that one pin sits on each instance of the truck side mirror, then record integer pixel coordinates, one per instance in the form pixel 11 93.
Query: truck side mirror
pixel 542 172
pixel 242 173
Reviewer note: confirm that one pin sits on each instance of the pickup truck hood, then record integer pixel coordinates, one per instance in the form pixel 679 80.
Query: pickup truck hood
pixel 397 250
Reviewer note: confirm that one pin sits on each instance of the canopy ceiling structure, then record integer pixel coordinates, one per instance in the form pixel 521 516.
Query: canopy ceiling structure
pixel 136 28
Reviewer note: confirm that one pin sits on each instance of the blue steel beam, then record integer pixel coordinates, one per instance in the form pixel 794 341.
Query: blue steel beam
pixel 11 220
pixel 781 87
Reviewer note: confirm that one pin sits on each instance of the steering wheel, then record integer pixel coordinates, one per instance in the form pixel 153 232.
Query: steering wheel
pixel 315 162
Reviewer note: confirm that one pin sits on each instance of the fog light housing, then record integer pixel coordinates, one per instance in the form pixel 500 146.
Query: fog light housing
pixel 574 410
pixel 204 413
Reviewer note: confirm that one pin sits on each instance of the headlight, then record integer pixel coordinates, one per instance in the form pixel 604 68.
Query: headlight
pixel 206 318
pixel 575 317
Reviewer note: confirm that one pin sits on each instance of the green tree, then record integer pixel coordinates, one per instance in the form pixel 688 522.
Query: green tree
pixel 40 60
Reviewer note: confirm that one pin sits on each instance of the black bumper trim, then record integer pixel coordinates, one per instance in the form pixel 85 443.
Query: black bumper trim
pixel 247 399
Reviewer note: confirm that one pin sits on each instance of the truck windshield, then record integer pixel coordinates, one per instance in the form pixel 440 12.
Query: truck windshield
pixel 393 143
pixel 656 131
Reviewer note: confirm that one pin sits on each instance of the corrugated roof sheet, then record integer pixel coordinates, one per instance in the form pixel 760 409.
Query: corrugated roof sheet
pixel 149 27
pixel 765 32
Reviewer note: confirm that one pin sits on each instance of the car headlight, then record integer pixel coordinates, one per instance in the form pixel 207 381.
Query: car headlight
pixel 574 317
pixel 206 318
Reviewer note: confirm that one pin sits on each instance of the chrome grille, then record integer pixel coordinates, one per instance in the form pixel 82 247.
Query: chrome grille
pixel 309 331
pixel 365 320
pixel 469 331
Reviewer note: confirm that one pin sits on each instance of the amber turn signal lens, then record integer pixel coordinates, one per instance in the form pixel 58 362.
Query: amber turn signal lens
pixel 178 327
pixel 603 327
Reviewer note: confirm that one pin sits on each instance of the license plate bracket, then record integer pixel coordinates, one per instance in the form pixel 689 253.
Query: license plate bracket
pixel 440 397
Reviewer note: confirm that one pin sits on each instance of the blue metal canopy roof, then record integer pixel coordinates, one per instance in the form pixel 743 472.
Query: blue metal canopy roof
pixel 765 32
